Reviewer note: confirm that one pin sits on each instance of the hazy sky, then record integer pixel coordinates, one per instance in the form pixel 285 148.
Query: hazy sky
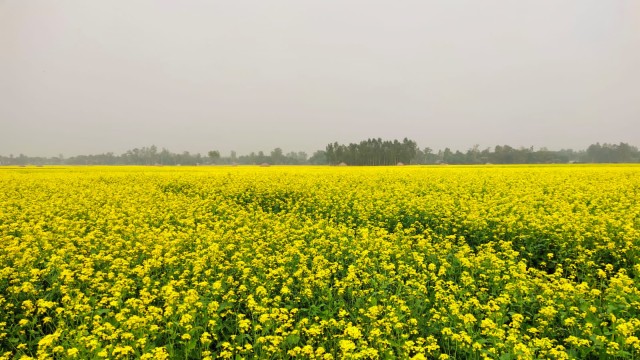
pixel 80 77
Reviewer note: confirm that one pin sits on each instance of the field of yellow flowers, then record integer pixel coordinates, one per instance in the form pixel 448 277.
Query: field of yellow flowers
pixel 514 262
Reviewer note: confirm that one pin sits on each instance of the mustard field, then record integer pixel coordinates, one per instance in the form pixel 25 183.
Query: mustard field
pixel 441 262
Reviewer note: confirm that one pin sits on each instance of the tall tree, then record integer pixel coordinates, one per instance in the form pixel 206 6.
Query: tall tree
pixel 214 155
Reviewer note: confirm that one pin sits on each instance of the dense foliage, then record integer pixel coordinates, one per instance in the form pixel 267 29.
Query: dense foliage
pixel 372 152
pixel 368 152
pixel 320 263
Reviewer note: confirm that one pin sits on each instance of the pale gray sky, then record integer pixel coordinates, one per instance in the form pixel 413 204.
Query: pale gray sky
pixel 79 77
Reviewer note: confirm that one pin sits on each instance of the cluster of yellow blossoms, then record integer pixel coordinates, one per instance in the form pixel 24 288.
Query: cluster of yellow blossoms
pixel 513 262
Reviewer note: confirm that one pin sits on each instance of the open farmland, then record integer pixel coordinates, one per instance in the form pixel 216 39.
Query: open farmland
pixel 320 262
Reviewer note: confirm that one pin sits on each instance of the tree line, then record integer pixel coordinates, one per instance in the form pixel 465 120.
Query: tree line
pixel 370 152
pixel 153 156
